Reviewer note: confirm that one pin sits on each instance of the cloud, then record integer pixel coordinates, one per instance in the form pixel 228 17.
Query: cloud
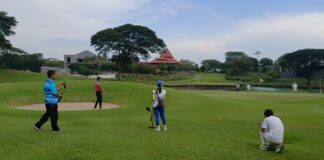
pixel 42 22
pixel 58 27
pixel 65 26
pixel 273 35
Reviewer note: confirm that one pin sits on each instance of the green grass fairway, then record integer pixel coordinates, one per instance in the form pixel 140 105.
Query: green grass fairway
pixel 203 125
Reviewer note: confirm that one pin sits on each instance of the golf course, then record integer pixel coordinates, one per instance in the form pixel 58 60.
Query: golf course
pixel 201 124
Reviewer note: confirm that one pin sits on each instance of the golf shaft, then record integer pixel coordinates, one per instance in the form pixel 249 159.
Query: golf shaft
pixel 152 118
pixel 62 95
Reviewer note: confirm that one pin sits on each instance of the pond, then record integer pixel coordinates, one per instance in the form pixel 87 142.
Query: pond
pixel 271 89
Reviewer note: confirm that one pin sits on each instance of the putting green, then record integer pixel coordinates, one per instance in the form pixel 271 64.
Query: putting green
pixel 69 106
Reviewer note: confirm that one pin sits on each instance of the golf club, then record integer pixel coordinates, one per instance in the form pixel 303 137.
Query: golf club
pixel 151 117
pixel 63 85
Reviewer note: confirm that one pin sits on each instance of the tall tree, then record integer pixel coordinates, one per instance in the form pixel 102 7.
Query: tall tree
pixel 187 65
pixel 234 55
pixel 7 24
pixel 254 64
pixel 127 43
pixel 210 65
pixel 304 62
pixel 238 63
pixel 266 64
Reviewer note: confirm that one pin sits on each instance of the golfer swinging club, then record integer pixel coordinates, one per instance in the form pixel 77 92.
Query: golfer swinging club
pixel 159 105
pixel 51 100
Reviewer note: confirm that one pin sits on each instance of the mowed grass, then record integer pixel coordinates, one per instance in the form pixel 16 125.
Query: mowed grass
pixel 202 124
pixel 203 78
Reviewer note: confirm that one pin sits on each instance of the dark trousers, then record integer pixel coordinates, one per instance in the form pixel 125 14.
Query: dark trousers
pixel 51 112
pixel 99 100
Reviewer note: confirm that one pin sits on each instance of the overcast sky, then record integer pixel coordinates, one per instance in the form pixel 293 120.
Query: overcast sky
pixel 192 29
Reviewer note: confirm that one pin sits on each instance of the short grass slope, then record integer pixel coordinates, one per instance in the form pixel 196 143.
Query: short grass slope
pixel 202 125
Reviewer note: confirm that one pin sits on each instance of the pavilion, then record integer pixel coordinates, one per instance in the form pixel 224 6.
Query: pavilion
pixel 166 57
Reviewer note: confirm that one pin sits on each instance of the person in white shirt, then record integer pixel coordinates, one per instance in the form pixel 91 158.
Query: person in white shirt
pixel 271 133
pixel 248 88
pixel 238 88
pixel 159 105
pixel 295 87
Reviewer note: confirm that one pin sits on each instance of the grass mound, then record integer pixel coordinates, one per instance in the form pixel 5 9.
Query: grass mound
pixel 9 76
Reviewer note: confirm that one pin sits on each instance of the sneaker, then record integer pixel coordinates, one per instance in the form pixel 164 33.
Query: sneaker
pixel 263 148
pixel 157 129
pixel 56 131
pixel 279 148
pixel 165 128
pixel 36 128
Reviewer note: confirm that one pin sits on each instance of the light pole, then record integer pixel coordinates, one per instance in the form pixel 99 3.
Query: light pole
pixel 258 53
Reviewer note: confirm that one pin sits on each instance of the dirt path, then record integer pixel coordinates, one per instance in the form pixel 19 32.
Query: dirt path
pixel 70 106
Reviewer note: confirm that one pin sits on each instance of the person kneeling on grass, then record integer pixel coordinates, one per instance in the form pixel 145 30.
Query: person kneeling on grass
pixel 159 105
pixel 51 100
pixel 271 133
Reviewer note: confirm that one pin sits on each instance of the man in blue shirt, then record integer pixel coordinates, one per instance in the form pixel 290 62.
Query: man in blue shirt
pixel 51 100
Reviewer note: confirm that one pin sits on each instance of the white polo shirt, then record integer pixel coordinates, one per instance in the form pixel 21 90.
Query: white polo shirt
pixel 274 128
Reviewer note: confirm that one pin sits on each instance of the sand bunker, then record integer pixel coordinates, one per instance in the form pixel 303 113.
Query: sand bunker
pixel 69 106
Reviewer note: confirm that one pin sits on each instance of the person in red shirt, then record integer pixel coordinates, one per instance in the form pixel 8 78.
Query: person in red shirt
pixel 99 91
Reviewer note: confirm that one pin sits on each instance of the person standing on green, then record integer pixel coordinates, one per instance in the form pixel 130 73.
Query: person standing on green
pixel 51 103
pixel 99 91
pixel 159 105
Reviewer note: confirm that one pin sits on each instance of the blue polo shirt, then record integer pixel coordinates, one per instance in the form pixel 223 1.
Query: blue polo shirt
pixel 50 90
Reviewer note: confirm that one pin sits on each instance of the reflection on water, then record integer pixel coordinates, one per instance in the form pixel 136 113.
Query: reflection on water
pixel 270 89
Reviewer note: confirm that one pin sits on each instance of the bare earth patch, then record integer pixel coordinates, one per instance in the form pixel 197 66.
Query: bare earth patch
pixel 69 106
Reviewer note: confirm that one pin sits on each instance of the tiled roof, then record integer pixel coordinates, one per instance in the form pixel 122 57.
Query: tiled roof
pixel 85 54
pixel 165 57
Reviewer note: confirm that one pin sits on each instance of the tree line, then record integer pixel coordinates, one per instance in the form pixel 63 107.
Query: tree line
pixel 121 49
pixel 15 58
pixel 238 65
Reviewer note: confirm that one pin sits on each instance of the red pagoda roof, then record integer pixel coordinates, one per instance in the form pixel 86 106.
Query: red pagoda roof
pixel 165 58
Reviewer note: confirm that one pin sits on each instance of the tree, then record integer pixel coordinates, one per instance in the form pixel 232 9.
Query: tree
pixel 186 65
pixel 255 64
pixel 233 55
pixel 52 62
pixel 303 62
pixel 266 64
pixel 239 67
pixel 238 63
pixel 83 68
pixel 7 24
pixel 127 43
pixel 212 65
pixel 32 62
